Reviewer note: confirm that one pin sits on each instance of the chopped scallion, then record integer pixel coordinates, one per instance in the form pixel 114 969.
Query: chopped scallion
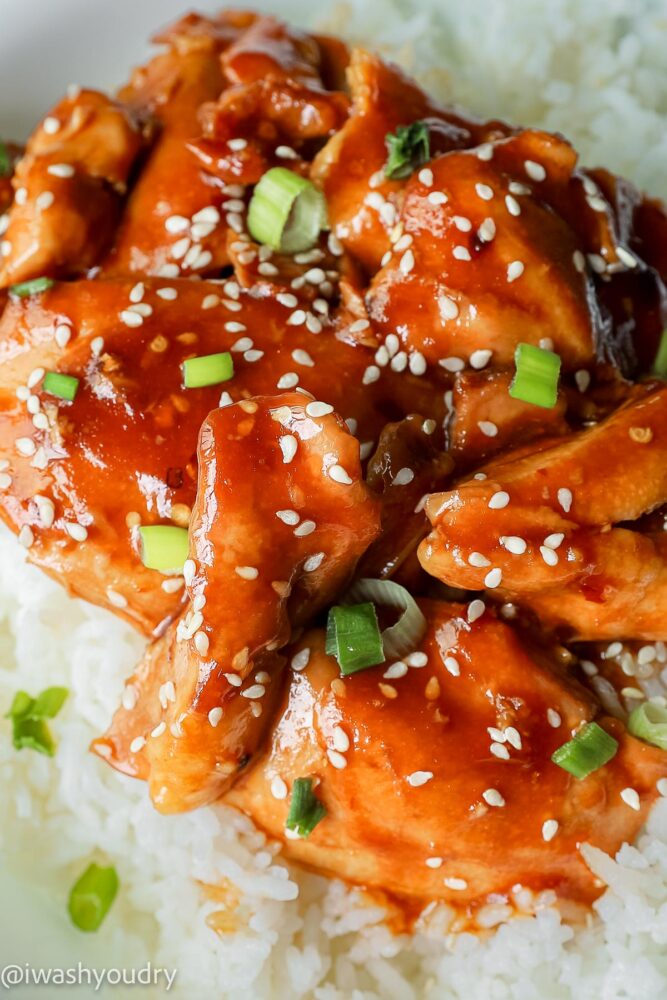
pixel 91 897
pixel 588 750
pixel 402 638
pixel 28 715
pixel 26 288
pixel 286 212
pixel 660 362
pixel 408 148
pixel 5 161
pixel 536 378
pixel 164 547
pixel 649 722
pixel 353 637
pixel 305 810
pixel 62 386
pixel 210 369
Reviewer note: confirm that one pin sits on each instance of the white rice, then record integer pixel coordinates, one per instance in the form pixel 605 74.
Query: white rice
pixel 596 71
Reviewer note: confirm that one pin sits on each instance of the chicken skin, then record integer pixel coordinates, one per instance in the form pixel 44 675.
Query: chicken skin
pixel 552 527
pixel 427 776
pixel 281 518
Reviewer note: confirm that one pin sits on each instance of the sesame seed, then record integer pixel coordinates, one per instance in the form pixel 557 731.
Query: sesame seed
pixel 463 224
pixel 477 559
pixel 300 659
pixel 60 170
pixel 535 171
pixel 475 610
pixel 396 671
pixel 237 144
pixel 461 253
pixel 403 477
pixel 288 445
pixel 25 446
pixel 317 409
pixel 418 778
pixel 597 262
pixel 500 750
pixel 583 379
pixel 252 356
pixel 76 531
pixel 51 125
pixel 288 516
pixel 437 198
pixel 399 362
pixel 433 862
pixel 493 578
pixel 313 562
pixel 631 798
pixel 132 319
pixel 337 759
pixel 487 427
pixel 549 829
pixel 278 788
pixel 452 364
pixel 447 308
pixel 661 785
pixel 167 294
pixel 287 381
pixel 26 536
pixel 493 797
pixel 429 426
pixel 554 540
pixel 304 529
pixel 189 570
pixel 339 475
pixel 118 600
pixel 416 659
pixel 425 176
pixel 553 718
pixel 484 192
pixel 513 737
pixel 137 744
pixel 45 200
pixel 201 642
pixel 62 335
pixel 234 680
pixel 452 665
pixel 565 498
pixel 514 270
pixel 487 230
pixel 176 224
pixel 303 358
pixel 550 557
pixel 141 308
pixel 407 262
pixel 499 500
pixel 243 343
pixel 254 691
pixel 214 716
pixel 579 261
pixel 5 481
pixel 455 883
pixel 626 257
pixel 341 740
pixel 247 572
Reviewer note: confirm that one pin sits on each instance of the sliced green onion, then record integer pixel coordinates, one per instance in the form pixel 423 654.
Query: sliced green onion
pixel 588 750
pixel 649 722
pixel 210 369
pixel 536 378
pixel 164 547
pixel 353 637
pixel 62 386
pixel 305 810
pixel 25 288
pixel 286 212
pixel 91 897
pixel 28 715
pixel 660 363
pixel 408 148
pixel 5 161
pixel 402 638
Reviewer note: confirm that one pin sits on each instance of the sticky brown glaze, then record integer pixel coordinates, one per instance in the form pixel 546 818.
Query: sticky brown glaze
pixel 124 452
pixel 68 188
pixel 410 787
pixel 281 518
pixel 579 571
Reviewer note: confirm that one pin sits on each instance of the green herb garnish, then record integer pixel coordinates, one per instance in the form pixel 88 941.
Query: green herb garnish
pixel 353 637
pixel 588 750
pixel 305 810
pixel 408 148
pixel 91 897
pixel 29 715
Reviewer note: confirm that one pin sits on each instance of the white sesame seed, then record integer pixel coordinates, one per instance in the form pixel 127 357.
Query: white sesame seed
pixel 488 428
pixel 452 665
pixel 487 230
pixel 549 829
pixel 479 359
pixel 429 426
pixel 35 377
pixel 25 446
pixel 288 516
pixel 288 445
pixel 452 364
pixel 553 718
pixel 550 557
pixel 484 192
pixel 62 335
pixel 433 862
pixel 631 798
pixel 304 529
pixel 447 308
pixel 118 600
pixel 254 691
pixel 26 536
pixel 407 262
pixel 500 750
pixel 514 544
pixel 418 778
pixel 514 270
pixel 513 737
pixel 341 740
pixel 167 294
pixel 337 759
pixel 583 379
pixel 278 788
pixel 129 698
pixel 554 540
pixel 484 151
pixel 313 562
pixel 597 262
pixel 137 744
pixel 399 362
pixel 317 409
pixel 189 570
pixel 493 578
pixel 252 356
pixel 287 381
pixel 479 560
pixel 626 257
pixel 416 659
pixel 234 680
pixel 371 374
pixel 60 170
pixel 425 176
pixel 247 572
pixel 396 671
pixel 463 224
pixel 237 144
pixel 5 481
pixel 492 797
pixel 661 785
pixel 176 224
pixel 141 308
pixel 403 477
pixel 455 883
pixel 303 358
pixel 51 125
pixel 499 500
pixel 461 253
pixel 76 531
pixel 535 171
pixel 201 642
pixel 45 200
pixel 579 261
pixel 132 319
pixel 565 498
pixel 475 610
pixel 339 475
pixel 437 198
pixel 300 659
pixel 214 716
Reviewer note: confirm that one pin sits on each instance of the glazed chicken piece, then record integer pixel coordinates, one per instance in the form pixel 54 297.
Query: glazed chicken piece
pixel 171 220
pixel 427 777
pixel 79 478
pixel 281 518
pixel 552 527
pixel 362 203
pixel 68 187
